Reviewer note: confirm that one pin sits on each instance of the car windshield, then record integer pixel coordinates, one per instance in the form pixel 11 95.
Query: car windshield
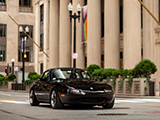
pixel 70 74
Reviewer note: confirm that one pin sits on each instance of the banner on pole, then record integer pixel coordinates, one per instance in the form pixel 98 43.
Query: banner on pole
pixel 84 24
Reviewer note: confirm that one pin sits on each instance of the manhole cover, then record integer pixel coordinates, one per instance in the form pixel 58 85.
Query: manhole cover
pixel 112 114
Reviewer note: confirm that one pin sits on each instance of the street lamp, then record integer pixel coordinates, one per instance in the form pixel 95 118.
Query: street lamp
pixel 74 16
pixel 12 60
pixel 24 38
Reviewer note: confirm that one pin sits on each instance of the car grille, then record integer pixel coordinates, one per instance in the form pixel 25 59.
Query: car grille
pixel 92 100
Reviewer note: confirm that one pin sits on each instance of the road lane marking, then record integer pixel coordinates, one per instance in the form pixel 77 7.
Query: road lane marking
pixel 138 101
pixel 12 101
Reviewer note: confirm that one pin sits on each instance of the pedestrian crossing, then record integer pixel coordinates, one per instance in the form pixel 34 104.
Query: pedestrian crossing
pixel 132 100
pixel 117 101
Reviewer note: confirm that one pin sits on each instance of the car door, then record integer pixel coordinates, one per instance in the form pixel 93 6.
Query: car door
pixel 43 87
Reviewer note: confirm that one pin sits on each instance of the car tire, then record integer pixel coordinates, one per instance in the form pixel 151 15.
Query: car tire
pixel 108 105
pixel 32 98
pixel 55 100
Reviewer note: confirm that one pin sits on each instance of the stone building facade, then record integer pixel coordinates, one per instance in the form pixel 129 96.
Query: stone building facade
pixel 120 33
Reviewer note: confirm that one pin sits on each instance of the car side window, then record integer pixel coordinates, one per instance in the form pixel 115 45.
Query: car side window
pixel 46 76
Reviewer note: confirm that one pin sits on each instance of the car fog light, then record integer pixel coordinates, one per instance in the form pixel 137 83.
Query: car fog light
pixel 62 95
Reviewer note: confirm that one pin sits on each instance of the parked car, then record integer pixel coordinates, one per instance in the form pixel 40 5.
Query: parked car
pixel 70 86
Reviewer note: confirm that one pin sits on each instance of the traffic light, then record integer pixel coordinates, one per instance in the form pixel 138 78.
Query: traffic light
pixel 6 71
pixel 25 55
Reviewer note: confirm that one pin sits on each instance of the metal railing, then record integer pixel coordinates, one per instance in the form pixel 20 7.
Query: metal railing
pixel 3 7
pixel 26 9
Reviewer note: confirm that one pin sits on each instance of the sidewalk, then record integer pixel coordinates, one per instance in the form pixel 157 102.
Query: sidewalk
pixel 142 97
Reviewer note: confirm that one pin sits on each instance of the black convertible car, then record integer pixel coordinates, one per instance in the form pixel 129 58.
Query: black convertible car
pixel 70 86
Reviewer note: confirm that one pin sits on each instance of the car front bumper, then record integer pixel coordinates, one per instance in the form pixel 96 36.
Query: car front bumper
pixel 88 99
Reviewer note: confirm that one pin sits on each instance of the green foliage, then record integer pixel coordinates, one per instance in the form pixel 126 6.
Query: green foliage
pixel 3 80
pixel 98 74
pixel 11 77
pixel 31 74
pixel 28 82
pixel 36 77
pixel 92 67
pixel 1 75
pixel 107 73
pixel 32 77
pixel 145 68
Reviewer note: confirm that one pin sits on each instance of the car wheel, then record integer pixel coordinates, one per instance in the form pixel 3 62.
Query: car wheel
pixel 55 101
pixel 32 99
pixel 108 105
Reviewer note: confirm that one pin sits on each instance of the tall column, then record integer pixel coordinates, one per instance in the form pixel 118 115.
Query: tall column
pixel 46 35
pixel 151 46
pixel 64 35
pixel 94 32
pixel 147 31
pixel 111 35
pixel 54 34
pixel 36 37
pixel 80 61
pixel 131 33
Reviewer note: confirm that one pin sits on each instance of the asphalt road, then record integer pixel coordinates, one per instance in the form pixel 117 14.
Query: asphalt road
pixel 15 106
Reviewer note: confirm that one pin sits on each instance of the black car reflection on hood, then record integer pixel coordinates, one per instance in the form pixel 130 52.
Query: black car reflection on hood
pixel 71 86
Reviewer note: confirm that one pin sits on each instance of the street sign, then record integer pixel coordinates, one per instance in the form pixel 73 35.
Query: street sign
pixel 75 55
pixel 1 55
pixel 15 68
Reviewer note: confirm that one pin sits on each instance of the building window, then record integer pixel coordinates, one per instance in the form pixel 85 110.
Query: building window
pixel 41 26
pixel 141 15
pixel 25 6
pixel 85 2
pixel 2 42
pixel 159 10
pixel 25 3
pixel 102 24
pixel 41 68
pixel 2 2
pixel 121 16
pixel 29 46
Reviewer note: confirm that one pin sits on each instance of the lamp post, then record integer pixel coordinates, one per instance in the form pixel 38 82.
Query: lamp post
pixel 24 38
pixel 74 16
pixel 12 60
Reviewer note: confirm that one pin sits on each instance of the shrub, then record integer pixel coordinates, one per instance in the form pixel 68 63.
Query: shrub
pixel 3 81
pixel 31 74
pixel 11 77
pixel 145 68
pixel 107 73
pixel 98 74
pixel 1 75
pixel 92 67
pixel 28 82
pixel 36 77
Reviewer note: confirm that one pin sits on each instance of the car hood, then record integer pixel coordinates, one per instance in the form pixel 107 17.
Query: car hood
pixel 87 85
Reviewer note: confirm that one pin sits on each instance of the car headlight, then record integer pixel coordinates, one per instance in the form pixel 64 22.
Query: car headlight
pixel 75 91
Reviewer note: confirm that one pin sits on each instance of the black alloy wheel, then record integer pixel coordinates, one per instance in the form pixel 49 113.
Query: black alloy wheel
pixel 32 98
pixel 55 101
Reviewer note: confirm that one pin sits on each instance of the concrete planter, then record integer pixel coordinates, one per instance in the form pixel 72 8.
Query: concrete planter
pixel 28 88
pixel 139 87
pixel 7 87
pixel 4 87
